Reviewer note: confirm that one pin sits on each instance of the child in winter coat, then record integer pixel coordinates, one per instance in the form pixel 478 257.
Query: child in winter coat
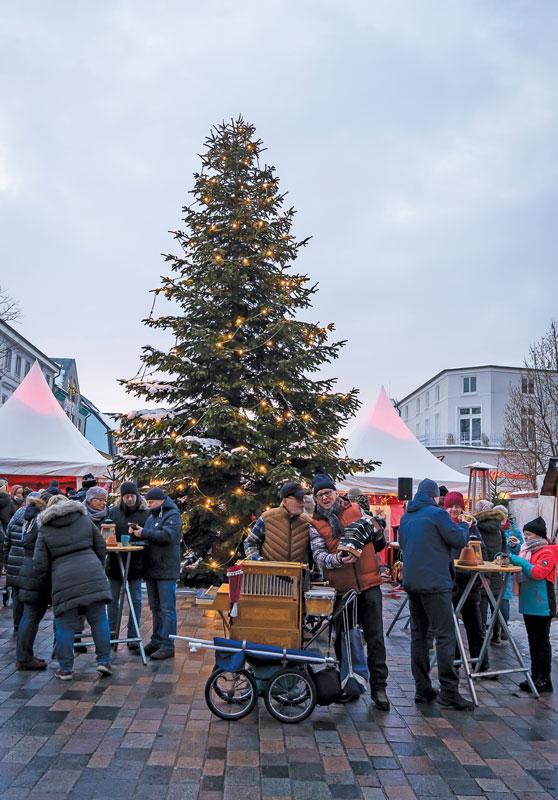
pixel 511 532
pixel 537 600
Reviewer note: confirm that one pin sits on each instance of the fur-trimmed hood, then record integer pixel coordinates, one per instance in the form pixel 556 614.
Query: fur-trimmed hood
pixel 490 513
pixel 57 511
pixel 39 504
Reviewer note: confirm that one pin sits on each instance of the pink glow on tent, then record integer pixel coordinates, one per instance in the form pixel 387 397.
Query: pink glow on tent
pixel 385 418
pixel 35 393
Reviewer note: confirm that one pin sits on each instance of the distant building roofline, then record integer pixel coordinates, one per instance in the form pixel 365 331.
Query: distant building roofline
pixel 458 369
pixel 12 333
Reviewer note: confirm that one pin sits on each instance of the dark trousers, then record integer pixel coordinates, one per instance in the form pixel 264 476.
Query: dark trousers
pixel 433 611
pixel 370 618
pixel 27 631
pixel 17 607
pixel 495 585
pixel 471 616
pixel 162 602
pixel 540 649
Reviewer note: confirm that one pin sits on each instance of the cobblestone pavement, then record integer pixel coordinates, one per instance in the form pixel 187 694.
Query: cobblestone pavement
pixel 147 733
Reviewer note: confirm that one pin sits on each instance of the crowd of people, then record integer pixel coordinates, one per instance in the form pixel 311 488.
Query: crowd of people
pixel 54 555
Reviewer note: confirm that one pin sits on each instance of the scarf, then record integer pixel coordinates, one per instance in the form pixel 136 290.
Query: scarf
pixel 95 515
pixel 332 516
pixel 526 552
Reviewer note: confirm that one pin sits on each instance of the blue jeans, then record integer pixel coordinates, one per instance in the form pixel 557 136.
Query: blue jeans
pixel 162 602
pixel 506 610
pixel 27 631
pixel 135 591
pixel 65 626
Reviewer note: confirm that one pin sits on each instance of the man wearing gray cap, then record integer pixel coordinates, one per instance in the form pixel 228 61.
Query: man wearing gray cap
pixel 282 533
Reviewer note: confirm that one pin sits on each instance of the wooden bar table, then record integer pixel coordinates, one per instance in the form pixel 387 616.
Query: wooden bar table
pixel 472 666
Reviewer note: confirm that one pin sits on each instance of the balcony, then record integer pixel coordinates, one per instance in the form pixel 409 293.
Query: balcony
pixel 452 440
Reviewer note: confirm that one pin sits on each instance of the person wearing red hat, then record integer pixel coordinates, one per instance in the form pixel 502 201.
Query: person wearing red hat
pixel 454 503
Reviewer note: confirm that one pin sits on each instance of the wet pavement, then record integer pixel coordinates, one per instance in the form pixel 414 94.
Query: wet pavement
pixel 146 733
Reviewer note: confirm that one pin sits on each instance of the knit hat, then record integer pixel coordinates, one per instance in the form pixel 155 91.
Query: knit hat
pixel 502 508
pixel 537 526
pixel 292 489
pixel 428 488
pixel 353 494
pixel 128 487
pixel 443 490
pixel 53 487
pixel 322 481
pixel 88 480
pixel 484 505
pixel 96 493
pixel 454 499
pixel 155 494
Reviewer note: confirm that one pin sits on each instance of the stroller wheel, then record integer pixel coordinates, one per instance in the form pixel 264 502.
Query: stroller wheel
pixel 290 695
pixel 230 695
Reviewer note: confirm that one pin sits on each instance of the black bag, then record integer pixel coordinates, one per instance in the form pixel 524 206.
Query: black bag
pixel 328 685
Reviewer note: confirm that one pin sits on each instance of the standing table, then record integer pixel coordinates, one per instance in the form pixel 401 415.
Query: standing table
pixel 472 666
pixel 120 551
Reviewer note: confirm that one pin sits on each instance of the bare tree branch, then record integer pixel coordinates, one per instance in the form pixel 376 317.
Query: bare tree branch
pixel 531 416
pixel 10 311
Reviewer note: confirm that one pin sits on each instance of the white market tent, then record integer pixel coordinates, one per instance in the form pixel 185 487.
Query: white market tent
pixel 385 437
pixel 37 438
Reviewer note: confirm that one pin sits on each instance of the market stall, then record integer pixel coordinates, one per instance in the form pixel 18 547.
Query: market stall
pixel 38 442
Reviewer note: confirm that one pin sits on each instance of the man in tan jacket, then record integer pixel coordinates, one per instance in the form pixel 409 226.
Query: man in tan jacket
pixel 282 533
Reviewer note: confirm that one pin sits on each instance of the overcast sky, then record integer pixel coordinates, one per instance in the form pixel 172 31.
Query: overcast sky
pixel 418 141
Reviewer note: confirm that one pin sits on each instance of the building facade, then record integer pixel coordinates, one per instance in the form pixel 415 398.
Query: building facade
pixel 459 414
pixel 17 355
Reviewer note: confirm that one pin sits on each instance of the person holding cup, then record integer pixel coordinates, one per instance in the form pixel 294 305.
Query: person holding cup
pixel 130 510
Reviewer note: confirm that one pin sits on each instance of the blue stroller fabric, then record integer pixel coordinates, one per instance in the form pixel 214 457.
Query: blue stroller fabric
pixel 233 662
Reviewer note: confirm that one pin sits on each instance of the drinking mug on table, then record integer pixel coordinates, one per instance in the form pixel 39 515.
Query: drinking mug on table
pixel 125 540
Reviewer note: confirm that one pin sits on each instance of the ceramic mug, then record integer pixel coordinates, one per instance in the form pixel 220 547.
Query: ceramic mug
pixel 125 540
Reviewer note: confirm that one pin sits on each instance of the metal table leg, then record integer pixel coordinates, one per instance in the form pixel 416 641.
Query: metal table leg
pixel 496 605
pixel 398 613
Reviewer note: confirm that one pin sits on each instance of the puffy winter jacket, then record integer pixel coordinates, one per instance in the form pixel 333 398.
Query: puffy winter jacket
pixel 13 548
pixel 70 547
pixel 427 536
pixel 162 536
pixel 489 523
pixel 33 588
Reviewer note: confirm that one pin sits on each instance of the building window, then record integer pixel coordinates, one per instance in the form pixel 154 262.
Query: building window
pixel 427 400
pixel 8 359
pixel 528 425
pixel 27 367
pixel 527 385
pixel 18 367
pixel 470 426
pixel 418 429
pixel 469 385
pixel 426 429
pixel 418 405
pixel 4 398
pixel 437 392
pixel 436 426
pixel 406 412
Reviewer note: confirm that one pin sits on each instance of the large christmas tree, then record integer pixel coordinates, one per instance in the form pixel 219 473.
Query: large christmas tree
pixel 241 412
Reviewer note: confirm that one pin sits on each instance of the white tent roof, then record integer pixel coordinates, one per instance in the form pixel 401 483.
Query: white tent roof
pixel 385 437
pixel 37 438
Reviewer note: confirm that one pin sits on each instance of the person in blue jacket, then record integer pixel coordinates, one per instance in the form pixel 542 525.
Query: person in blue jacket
pixel 427 536
pixel 161 534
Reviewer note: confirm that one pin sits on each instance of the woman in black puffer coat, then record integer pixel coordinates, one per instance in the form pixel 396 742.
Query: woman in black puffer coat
pixel 489 522
pixel 71 549
pixel 33 591
pixel 13 559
